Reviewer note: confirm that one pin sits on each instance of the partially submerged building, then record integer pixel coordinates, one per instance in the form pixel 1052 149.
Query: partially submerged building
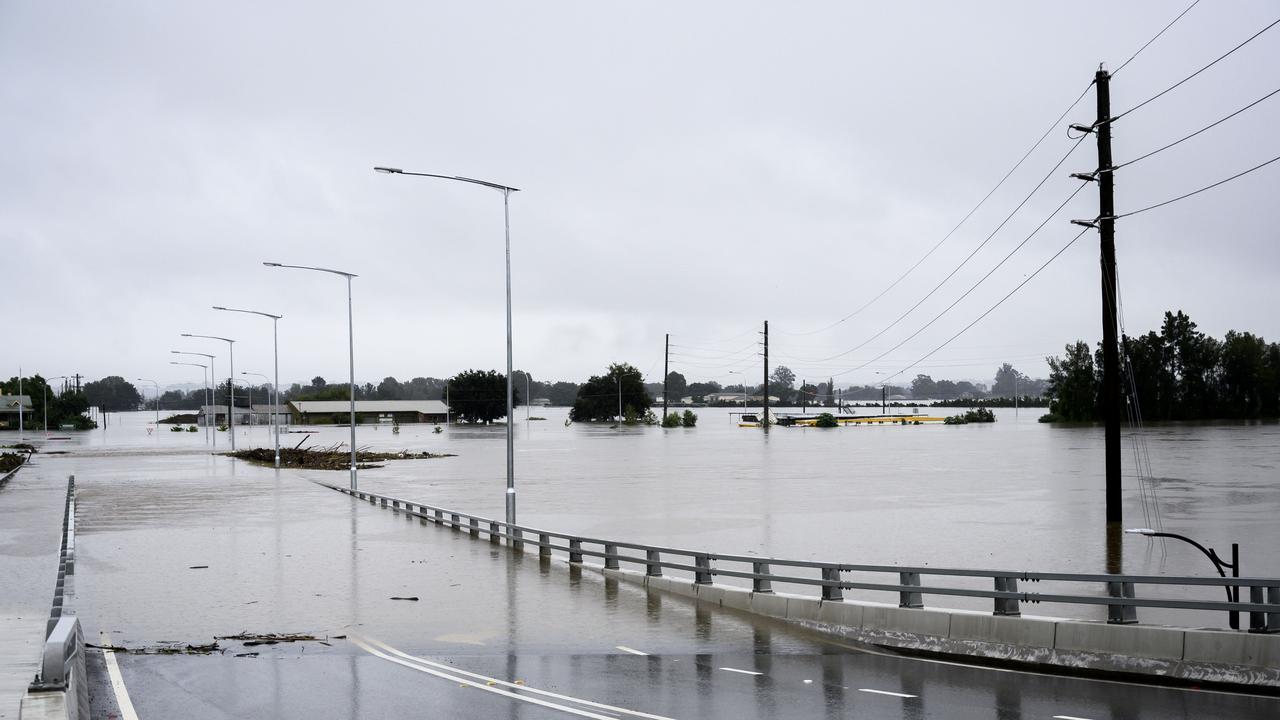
pixel 13 407
pixel 330 412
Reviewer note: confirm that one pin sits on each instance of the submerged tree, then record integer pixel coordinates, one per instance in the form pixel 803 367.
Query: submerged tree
pixel 479 395
pixel 600 397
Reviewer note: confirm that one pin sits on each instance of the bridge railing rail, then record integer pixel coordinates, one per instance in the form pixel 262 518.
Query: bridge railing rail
pixel 1116 591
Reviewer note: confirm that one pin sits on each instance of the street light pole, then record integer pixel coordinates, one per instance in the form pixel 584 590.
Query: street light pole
pixel 506 219
pixel 269 396
pixel 231 386
pixel 1233 593
pixel 209 395
pixel 153 382
pixel 205 368
pixel 351 351
pixel 275 351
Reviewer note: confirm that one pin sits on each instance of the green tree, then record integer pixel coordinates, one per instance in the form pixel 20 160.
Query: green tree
pixel 781 384
pixel 598 399
pixel 1073 384
pixel 479 395
pixel 113 394
pixel 676 386
pixel 923 387
pixel 1009 382
pixel 389 389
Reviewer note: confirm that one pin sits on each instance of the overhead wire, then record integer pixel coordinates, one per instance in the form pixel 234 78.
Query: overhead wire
pixel 1219 59
pixel 966 260
pixel 1155 37
pixel 1201 130
pixel 973 287
pixel 1054 125
pixel 991 309
pixel 1197 192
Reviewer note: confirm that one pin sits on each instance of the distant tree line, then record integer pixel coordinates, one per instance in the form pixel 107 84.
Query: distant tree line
pixel 1177 373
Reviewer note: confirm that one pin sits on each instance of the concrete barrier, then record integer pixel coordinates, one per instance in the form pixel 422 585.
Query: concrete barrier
pixel 1185 654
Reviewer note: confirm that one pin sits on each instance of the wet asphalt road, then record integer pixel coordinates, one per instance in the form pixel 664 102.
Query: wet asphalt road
pixel 179 550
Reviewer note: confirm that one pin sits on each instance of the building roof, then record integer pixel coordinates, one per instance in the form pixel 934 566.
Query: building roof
pixel 10 403
pixel 426 407
pixel 266 409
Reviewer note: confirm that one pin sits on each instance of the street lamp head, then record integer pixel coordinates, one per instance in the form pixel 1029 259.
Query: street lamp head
pixel 271 264
pixel 187 335
pixel 1140 531
pixel 388 170
pixel 218 307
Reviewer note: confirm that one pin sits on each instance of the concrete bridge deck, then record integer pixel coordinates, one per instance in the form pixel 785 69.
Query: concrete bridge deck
pixel 175 552
pixel 31 512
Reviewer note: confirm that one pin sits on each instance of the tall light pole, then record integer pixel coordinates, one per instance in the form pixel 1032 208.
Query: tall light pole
pixel 206 390
pixel 231 387
pixel 208 394
pixel 273 410
pixel 153 382
pixel 46 401
pixel 275 385
pixel 506 218
pixel 351 352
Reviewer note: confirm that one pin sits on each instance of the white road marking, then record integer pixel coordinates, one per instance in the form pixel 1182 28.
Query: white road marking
pixel 633 651
pixel 423 665
pixel 117 681
pixel 1068 717
pixel 744 672
pixel 886 692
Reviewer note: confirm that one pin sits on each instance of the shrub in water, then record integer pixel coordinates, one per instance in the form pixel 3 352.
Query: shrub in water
pixel 672 420
pixel 689 419
pixel 826 420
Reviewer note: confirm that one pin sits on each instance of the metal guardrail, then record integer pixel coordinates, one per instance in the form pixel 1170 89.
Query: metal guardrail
pixel 1119 590
pixel 62 664
pixel 66 555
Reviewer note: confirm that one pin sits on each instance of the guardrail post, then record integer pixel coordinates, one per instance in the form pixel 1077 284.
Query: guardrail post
pixel 395 504
pixel 454 520
pixel 1007 606
pixel 761 584
pixel 474 524
pixel 831 592
pixel 652 567
pixel 383 501
pixel 439 516
pixel 1264 622
pixel 1121 614
pixel 544 545
pixel 702 573
pixel 516 538
pixel 610 557
pixel 575 550
pixel 494 537
pixel 909 598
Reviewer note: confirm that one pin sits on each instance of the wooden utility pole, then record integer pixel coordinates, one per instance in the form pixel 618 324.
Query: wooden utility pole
pixel 666 359
pixel 1110 343
pixel 764 417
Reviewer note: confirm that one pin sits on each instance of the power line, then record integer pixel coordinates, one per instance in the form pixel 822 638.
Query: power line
pixel 1197 192
pixel 973 287
pixel 998 185
pixel 1155 37
pixel 964 262
pixel 1000 302
pixel 1206 127
pixel 1206 67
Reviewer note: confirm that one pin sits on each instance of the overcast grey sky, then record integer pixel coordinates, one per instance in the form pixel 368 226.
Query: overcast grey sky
pixel 691 168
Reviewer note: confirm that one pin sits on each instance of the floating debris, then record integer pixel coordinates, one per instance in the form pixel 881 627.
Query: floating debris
pixel 414 598
pixel 333 457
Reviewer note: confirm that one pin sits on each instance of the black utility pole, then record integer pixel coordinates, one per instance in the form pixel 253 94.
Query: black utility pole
pixel 1110 344
pixel 803 408
pixel 666 371
pixel 764 417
